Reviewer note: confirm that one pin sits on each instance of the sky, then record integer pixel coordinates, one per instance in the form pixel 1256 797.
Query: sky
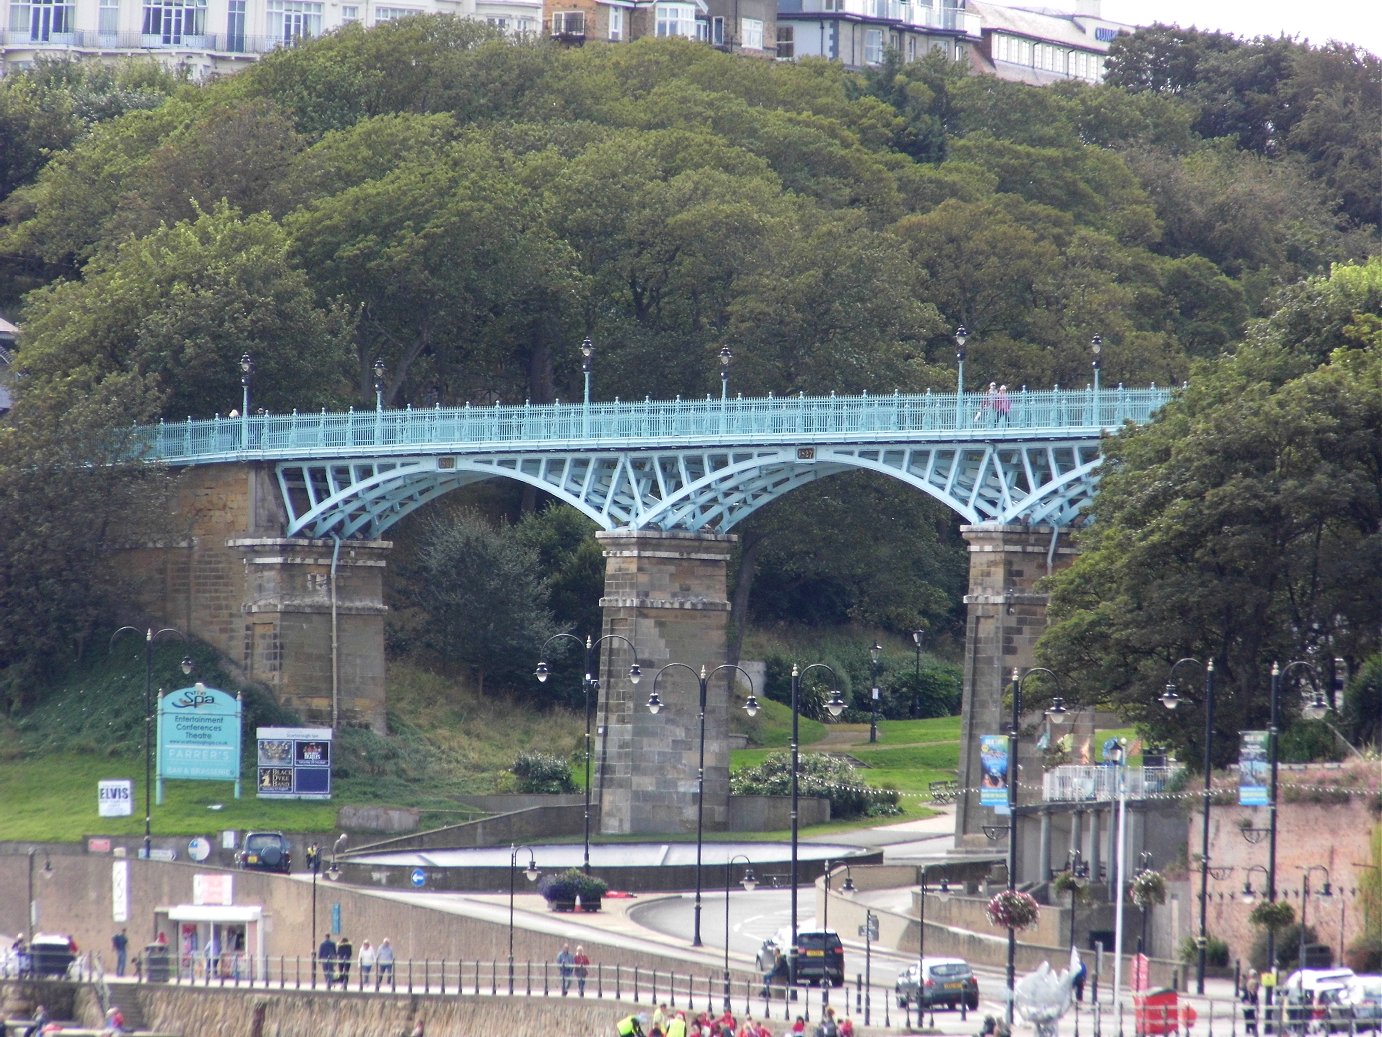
pixel 1319 21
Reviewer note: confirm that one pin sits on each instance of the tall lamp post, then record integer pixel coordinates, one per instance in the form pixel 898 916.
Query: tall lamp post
pixel 750 884
pixel 246 376
pixel 1096 349
pixel 876 667
pixel 725 357
pixel 379 384
pixel 943 891
pixel 530 873
pixel 1171 699
pixel 961 337
pixel 587 362
pixel 918 637
pixel 836 706
pixel 655 707
pixel 1018 679
pixel 150 636
pixel 590 684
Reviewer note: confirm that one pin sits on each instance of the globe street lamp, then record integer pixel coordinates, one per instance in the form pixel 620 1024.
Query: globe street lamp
pixel 587 362
pixel 876 667
pixel 961 337
pixel 1096 347
pixel 1018 680
pixel 918 636
pixel 1325 893
pixel 150 636
pixel 836 706
pixel 750 884
pixel 655 707
pixel 246 376
pixel 725 357
pixel 379 384
pixel 590 684
pixel 1171 699
pixel 530 873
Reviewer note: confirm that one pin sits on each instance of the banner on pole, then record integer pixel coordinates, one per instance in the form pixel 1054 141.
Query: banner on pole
pixel 1254 769
pixel 993 762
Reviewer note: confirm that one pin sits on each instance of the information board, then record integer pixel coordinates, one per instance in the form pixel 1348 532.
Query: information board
pixel 198 736
pixel 294 762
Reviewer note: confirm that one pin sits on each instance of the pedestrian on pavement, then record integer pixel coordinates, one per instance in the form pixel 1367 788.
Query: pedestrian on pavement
pixel 326 954
pixel 367 955
pixel 582 964
pixel 121 943
pixel 345 951
pixel 565 964
pixel 630 1025
pixel 384 960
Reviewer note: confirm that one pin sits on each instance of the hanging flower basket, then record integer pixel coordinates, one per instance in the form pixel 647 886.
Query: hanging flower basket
pixel 1272 914
pixel 1013 909
pixel 1148 889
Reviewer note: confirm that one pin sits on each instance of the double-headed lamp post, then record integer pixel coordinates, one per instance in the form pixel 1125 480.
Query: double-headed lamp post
pixel 590 684
pixel 150 636
pixel 1324 893
pixel 530 873
pixel 1018 680
pixel 750 884
pixel 942 891
pixel 1171 698
pixel 655 707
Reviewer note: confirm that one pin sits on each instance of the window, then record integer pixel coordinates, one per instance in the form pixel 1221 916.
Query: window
pixel 568 23
pixel 293 20
pixel 786 41
pixel 235 25
pixel 616 23
pixel 751 33
pixel 392 14
pixel 169 22
pixel 40 20
pixel 109 18
pixel 717 31
pixel 676 20
pixel 350 13
pixel 873 46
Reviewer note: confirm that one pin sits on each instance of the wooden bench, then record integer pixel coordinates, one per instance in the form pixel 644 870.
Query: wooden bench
pixel 944 791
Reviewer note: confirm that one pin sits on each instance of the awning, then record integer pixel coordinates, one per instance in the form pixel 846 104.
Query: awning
pixel 216 913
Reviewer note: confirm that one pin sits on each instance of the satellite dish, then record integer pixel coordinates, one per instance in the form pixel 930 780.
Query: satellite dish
pixel 199 849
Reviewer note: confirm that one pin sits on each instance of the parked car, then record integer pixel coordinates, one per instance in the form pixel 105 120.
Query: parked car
pixel 1363 998
pixel 948 981
pixel 265 851
pixel 820 956
pixel 1314 998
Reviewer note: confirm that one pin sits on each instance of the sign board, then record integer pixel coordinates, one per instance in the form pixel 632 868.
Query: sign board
pixel 419 878
pixel 870 929
pixel 198 735
pixel 294 762
pixel 1253 769
pixel 993 762
pixel 115 798
pixel 213 889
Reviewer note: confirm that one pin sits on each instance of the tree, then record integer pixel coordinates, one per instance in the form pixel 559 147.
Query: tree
pixel 1240 525
pixel 483 597
pixel 178 308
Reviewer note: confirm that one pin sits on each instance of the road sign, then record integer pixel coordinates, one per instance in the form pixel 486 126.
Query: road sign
pixel 418 878
pixel 870 930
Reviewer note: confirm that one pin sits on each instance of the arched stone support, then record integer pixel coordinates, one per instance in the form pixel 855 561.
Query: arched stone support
pixel 668 594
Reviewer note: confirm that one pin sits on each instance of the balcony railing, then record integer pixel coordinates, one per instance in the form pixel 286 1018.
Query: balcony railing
pixel 92 40
pixel 1074 783
pixel 914 15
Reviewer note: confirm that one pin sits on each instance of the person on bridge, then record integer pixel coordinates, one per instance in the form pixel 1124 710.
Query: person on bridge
pixel 582 964
pixel 326 954
pixel 384 961
pixel 565 964
pixel 1002 406
pixel 345 951
pixel 631 1026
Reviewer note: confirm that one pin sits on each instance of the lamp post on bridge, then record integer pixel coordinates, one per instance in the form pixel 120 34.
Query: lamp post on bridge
pixel 1096 347
pixel 1171 699
pixel 150 636
pixel 587 363
pixel 750 884
pixel 246 376
pixel 961 337
pixel 590 684
pixel 655 707
pixel 379 384
pixel 725 357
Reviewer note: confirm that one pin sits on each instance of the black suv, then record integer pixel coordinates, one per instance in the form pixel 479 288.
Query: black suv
pixel 820 956
pixel 265 851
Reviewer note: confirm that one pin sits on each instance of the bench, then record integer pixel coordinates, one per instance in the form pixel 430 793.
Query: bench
pixel 944 791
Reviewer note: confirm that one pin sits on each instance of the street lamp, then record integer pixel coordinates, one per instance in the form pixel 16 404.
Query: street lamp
pixel 875 654
pixel 246 375
pixel 1248 894
pixel 750 884
pixel 150 636
pixel 530 873
pixel 1096 347
pixel 943 891
pixel 655 707
pixel 333 870
pixel 1171 699
pixel 33 902
pixel 587 362
pixel 725 357
pixel 1018 679
pixel 589 684
pixel 314 865
pixel 379 384
pixel 1324 894
pixel 918 636
pixel 961 337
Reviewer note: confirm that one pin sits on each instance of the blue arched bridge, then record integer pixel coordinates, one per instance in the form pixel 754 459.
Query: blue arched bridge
pixel 693 465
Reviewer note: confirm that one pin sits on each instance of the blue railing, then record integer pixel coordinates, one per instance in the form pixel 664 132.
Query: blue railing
pixel 708 422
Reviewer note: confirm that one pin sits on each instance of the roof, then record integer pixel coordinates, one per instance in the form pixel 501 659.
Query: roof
pixel 1043 24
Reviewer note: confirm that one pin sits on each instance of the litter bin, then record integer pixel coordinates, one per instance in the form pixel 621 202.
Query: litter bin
pixel 1160 1012
pixel 50 955
pixel 156 963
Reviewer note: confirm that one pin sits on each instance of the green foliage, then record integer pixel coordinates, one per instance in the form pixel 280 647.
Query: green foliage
pixel 566 886
pixel 817 775
pixel 542 772
pixel 1363 704
pixel 1215 954
pixel 1287 947
pixel 1309 740
pixel 1272 914
pixel 1364 954
pixel 572 564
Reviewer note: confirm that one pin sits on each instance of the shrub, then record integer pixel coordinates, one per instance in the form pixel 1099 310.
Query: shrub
pixel 567 885
pixel 540 772
pixel 1287 946
pixel 818 775
pixel 1215 951
pixel 1364 955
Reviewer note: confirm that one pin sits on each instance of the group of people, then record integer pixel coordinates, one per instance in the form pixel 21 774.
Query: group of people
pixel 997 402
pixel 665 1022
pixel 336 958
pixel 573 966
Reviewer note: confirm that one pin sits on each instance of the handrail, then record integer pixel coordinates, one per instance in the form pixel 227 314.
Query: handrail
pixel 650 423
